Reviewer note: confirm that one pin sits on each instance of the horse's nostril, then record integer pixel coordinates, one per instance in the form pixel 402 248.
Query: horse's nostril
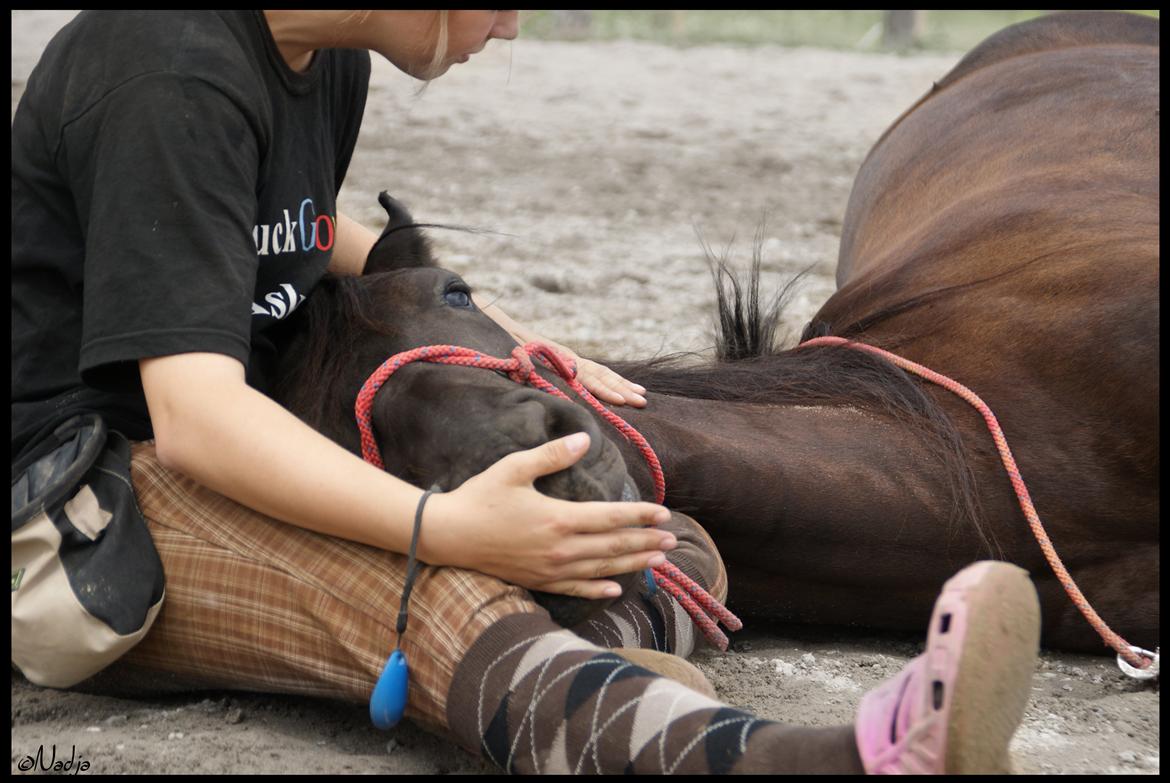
pixel 599 474
pixel 561 420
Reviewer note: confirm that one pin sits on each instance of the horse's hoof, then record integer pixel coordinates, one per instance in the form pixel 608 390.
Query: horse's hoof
pixel 670 666
pixel 954 708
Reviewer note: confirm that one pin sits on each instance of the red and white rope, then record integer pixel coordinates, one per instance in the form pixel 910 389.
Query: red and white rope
pixel 1111 638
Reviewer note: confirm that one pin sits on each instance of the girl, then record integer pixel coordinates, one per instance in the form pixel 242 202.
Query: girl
pixel 174 185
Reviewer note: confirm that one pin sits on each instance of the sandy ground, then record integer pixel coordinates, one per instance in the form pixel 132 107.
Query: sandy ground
pixel 598 163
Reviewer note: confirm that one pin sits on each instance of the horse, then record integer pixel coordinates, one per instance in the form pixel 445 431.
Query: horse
pixel 1003 231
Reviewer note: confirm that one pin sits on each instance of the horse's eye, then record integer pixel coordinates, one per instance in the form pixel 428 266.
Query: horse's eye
pixel 458 299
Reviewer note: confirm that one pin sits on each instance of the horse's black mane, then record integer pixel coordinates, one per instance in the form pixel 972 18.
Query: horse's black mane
pixel 749 367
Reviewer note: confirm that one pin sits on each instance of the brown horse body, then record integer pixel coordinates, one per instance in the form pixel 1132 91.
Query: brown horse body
pixel 1003 232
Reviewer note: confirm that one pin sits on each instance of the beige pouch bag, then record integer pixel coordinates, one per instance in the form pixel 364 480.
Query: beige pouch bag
pixel 87 582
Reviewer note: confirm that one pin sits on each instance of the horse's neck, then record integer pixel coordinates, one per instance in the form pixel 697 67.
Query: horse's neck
pixel 800 498
pixel 781 465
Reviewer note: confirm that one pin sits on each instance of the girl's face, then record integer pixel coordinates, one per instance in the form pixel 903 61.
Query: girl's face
pixel 408 39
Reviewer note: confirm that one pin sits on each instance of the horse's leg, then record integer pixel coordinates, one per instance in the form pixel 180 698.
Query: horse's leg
pixel 1122 589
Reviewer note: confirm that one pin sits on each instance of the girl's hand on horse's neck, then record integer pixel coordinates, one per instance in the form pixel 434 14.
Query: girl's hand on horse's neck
pixel 602 382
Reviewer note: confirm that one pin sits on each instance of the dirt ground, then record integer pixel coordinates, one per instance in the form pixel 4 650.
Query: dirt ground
pixel 598 164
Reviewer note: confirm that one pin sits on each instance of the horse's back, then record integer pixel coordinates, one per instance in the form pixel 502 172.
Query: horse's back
pixel 1059 31
pixel 1045 133
pixel 1018 207
pixel 1005 232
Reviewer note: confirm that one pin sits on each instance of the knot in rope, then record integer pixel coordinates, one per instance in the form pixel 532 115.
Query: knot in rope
pixel 705 610
pixel 524 367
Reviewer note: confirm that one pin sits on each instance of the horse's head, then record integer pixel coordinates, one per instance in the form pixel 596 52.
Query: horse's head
pixel 434 423
pixel 443 424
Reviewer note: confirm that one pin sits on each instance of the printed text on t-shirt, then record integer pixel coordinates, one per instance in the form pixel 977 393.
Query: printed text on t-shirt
pixel 314 232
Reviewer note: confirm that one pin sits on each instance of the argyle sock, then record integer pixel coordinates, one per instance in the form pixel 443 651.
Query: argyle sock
pixel 535 698
pixel 655 622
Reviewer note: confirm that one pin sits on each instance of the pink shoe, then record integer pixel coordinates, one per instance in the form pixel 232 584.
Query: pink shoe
pixel 954 708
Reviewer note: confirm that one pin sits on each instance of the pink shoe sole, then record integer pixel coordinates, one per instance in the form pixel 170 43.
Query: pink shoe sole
pixel 954 708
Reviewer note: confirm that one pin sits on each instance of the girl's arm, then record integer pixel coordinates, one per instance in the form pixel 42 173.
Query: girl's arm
pixel 210 425
pixel 351 247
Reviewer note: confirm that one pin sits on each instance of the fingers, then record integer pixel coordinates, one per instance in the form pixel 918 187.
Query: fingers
pixel 585 578
pixel 578 564
pixel 597 516
pixel 607 385
pixel 526 466
pixel 599 556
pixel 580 588
pixel 511 531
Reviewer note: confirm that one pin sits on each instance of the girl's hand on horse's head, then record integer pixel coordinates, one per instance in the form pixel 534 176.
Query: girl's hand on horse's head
pixel 498 524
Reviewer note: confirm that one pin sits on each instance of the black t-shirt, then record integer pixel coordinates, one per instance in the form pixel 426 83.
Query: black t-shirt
pixel 174 190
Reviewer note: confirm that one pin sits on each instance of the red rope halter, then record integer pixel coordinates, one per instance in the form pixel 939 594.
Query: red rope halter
pixel 703 608
pixel 1126 652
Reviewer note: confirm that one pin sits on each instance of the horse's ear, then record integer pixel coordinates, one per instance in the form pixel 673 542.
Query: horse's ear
pixel 402 243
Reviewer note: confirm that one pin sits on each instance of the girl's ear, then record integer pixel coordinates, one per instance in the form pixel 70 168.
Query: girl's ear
pixel 402 243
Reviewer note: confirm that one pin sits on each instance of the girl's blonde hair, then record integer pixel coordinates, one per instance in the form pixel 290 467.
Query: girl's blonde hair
pixel 440 48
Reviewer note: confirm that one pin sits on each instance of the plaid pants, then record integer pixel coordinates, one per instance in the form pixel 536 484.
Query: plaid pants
pixel 256 604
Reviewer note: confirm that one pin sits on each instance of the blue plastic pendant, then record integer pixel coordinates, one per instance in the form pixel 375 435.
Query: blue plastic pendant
pixel 388 701
pixel 651 585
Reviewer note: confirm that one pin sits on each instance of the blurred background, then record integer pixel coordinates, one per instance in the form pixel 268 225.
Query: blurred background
pixel 877 31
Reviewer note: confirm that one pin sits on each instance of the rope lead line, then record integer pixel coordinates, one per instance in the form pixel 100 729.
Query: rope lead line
pixel 1124 651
